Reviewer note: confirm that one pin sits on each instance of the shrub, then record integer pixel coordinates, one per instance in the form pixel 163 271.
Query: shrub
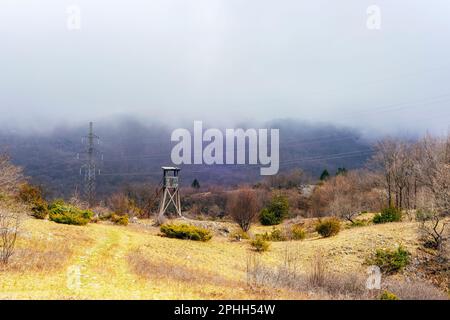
pixel 239 235
pixel 390 261
pixel 423 215
pixel 415 290
pixel 60 212
pixel 390 214
pixel 298 233
pixel 275 235
pixel 358 223
pixel 39 210
pixel 185 231
pixel 120 220
pixel 259 244
pixel 386 295
pixel 275 212
pixel 328 227
pixel 30 194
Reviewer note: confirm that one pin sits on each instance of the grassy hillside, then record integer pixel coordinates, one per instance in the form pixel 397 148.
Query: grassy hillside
pixel 135 262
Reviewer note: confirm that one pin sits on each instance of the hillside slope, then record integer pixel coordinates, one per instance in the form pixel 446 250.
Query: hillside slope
pixel 102 261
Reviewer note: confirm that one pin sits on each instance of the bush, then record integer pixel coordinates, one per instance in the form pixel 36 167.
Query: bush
pixel 275 235
pixel 259 244
pixel 275 212
pixel 386 295
pixel 358 223
pixel 423 215
pixel 120 220
pixel 30 194
pixel 298 233
pixel 390 261
pixel 328 227
pixel 185 231
pixel 239 235
pixel 60 212
pixel 390 214
pixel 39 210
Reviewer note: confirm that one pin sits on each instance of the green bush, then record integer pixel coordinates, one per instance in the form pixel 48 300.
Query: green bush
pixel 275 212
pixel 328 227
pixel 185 231
pixel 386 295
pixel 391 261
pixel 120 220
pixel 390 214
pixel 39 210
pixel 358 223
pixel 298 233
pixel 60 212
pixel 275 235
pixel 259 244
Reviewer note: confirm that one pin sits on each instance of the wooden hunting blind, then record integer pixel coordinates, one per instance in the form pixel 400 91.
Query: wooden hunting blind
pixel 170 191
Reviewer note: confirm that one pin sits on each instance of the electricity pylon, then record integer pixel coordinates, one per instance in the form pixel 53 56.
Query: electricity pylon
pixel 90 167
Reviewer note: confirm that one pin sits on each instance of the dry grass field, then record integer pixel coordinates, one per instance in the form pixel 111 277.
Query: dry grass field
pixel 104 261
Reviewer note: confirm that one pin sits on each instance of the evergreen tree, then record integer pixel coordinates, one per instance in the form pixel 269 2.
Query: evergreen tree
pixel 325 175
pixel 195 184
pixel 341 171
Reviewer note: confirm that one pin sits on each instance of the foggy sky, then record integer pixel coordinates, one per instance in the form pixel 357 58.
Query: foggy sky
pixel 227 61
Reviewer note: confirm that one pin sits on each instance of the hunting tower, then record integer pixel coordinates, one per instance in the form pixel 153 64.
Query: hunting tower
pixel 170 191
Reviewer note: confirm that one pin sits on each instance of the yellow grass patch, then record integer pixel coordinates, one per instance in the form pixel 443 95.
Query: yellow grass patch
pixel 101 261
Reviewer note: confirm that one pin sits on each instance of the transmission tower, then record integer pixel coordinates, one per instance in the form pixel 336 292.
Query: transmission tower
pixel 90 165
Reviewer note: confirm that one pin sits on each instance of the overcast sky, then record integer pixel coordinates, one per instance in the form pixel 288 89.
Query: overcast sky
pixel 227 61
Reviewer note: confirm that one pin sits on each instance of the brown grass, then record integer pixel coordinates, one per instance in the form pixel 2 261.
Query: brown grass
pixel 148 269
pixel 317 281
pixel 47 250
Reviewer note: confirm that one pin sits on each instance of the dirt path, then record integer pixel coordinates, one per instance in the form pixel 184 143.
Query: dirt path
pixel 102 270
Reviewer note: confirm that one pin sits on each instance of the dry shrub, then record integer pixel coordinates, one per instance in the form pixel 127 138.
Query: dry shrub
pixel 417 290
pixel 317 281
pixel 119 203
pixel 318 270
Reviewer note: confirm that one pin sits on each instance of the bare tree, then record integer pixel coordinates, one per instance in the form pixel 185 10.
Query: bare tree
pixel 434 174
pixel 347 198
pixel 9 228
pixel 396 160
pixel 384 160
pixel 11 176
pixel 242 206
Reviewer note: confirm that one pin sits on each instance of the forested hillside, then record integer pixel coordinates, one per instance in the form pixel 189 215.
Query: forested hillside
pixel 132 152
